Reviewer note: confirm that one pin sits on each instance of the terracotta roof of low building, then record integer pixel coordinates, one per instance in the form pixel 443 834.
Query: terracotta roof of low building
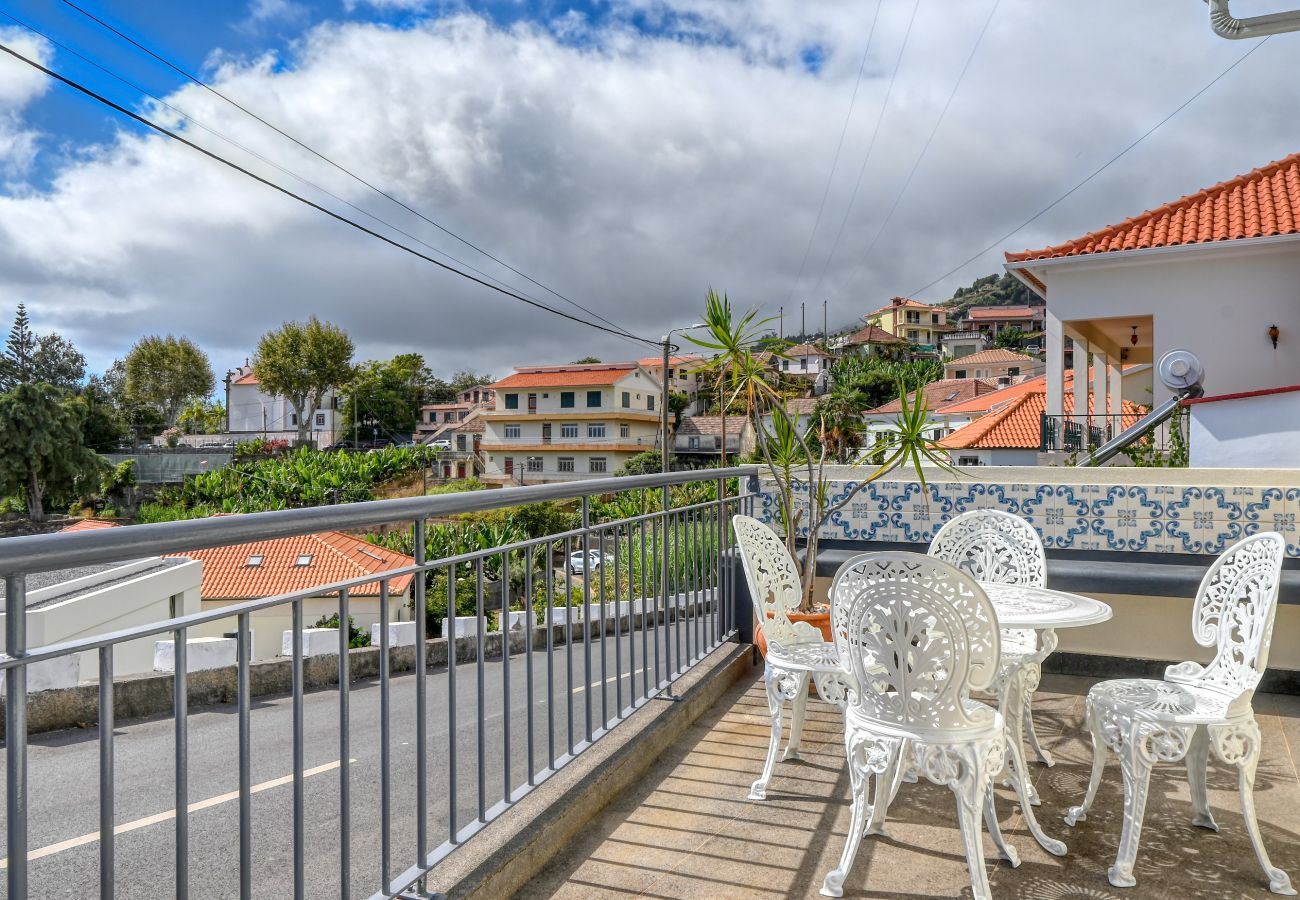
pixel 873 334
pixel 712 425
pixel 249 378
pixel 566 376
pixel 801 406
pixel 90 525
pixel 1019 424
pixel 651 361
pixel 236 573
pixel 996 356
pixel 806 350
pixel 941 394
pixel 1005 312
pixel 1262 203
pixel 902 303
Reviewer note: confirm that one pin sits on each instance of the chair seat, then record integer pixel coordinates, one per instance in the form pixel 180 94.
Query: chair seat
pixel 1163 701
pixel 818 656
pixel 987 722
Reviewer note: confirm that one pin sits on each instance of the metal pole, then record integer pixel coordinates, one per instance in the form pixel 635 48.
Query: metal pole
pixel 825 328
pixel 665 465
pixel 16 734
pixel 803 320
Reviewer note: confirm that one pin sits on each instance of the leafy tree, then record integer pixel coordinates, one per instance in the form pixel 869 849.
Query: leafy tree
pixel 993 290
pixel 302 362
pixel 201 417
pixel 167 373
pixel 647 462
pixel 1011 339
pixel 108 401
pixel 41 447
pixel 385 397
pixel 586 360
pixel 465 379
pixel 839 413
pixel 677 403
pixel 32 359
pixel 103 427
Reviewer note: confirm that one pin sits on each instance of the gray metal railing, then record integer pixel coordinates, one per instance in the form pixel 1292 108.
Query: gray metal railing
pixel 660 601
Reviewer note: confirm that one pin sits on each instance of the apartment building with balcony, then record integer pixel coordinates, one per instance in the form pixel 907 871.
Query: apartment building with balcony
pixel 565 423
pixel 686 375
pixel 917 323
pixel 436 418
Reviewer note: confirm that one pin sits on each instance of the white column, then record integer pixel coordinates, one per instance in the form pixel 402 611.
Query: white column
pixel 1080 380
pixel 1116 404
pixel 1055 366
pixel 1099 396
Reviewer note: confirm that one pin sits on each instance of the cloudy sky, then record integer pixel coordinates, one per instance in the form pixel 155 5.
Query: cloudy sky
pixel 627 153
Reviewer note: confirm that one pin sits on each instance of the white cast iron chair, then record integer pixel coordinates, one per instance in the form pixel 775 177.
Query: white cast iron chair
pixel 916 636
pixel 796 651
pixel 1196 708
pixel 992 545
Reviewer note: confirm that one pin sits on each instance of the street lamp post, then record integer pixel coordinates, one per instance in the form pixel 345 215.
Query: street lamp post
pixel 665 460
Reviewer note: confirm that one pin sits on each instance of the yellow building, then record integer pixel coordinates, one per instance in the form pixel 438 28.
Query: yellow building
pixel 565 423
pixel 913 321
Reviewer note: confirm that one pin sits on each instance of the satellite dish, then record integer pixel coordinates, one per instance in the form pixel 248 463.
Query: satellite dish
pixel 1180 370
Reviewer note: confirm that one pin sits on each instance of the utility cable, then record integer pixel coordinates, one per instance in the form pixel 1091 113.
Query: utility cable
pixel 203 84
pixel 875 132
pixel 933 131
pixel 839 146
pixel 1150 131
pixel 77 86
pixel 253 153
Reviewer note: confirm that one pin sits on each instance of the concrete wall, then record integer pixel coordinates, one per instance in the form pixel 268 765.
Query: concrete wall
pixel 1251 431
pixel 1217 303
pixel 269 625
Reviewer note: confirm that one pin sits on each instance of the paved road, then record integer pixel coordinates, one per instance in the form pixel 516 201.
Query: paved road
pixel 64 783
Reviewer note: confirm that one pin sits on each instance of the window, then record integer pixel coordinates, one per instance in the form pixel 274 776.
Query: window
pixel 460 442
pixel 960 373
pixel 968 460
pixel 534 464
pixel 803 363
pixel 569 430
pixel 627 399
pixel 692 443
pixel 596 430
pixel 512 431
pixel 593 399
pixel 681 373
pixel 598 464
pixel 566 399
pixel 565 464
pixel 914 318
pixel 304 560
pixel 460 416
pixel 512 401
pixel 254 561
pixel 650 402
pixel 1013 370
pixel 320 420
pixel 624 430
pixel 934 318
pixel 293 419
pixel 914 336
pixel 532 403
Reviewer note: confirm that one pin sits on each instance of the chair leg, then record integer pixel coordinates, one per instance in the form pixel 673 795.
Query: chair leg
pixel 1007 851
pixel 1077 814
pixel 799 707
pixel 1239 744
pixel 1198 757
pixel 859 781
pixel 775 700
pixel 1136 764
pixel 886 788
pixel 1039 750
pixel 971 790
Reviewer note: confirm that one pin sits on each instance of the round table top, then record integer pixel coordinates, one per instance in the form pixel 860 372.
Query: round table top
pixel 1023 606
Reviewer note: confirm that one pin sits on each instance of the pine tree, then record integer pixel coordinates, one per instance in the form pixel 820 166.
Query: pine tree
pixel 18 353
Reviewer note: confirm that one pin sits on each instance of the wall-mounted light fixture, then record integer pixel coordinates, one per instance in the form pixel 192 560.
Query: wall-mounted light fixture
pixel 1133 338
pixel 1273 334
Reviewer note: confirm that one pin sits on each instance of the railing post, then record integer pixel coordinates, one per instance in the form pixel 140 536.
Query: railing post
pixel 16 734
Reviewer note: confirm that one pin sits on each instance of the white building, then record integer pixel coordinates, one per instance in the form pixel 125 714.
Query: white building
pixel 1212 272
pixel 250 412
pixel 565 423
pixel 1251 430
pixel 995 364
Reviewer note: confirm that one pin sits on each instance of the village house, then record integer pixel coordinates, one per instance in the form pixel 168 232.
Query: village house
pixel 920 324
pixel 872 340
pixel 993 320
pixel 251 412
pixel 685 376
pixel 563 423
pixel 958 344
pixel 996 364
pixel 698 439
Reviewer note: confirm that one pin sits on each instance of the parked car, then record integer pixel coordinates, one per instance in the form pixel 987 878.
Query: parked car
pixel 344 445
pixel 440 444
pixel 407 445
pixel 580 562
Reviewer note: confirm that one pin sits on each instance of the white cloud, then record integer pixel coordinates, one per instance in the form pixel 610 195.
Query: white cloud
pixel 389 5
pixel 634 172
pixel 19 85
pixel 262 13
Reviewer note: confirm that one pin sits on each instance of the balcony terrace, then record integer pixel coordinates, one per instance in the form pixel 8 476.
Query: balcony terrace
pixel 608 750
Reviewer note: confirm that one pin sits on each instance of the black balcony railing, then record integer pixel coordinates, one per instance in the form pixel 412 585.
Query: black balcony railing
pixel 1071 435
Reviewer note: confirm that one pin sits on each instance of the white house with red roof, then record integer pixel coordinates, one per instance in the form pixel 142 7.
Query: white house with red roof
pixel 993 320
pixel 566 423
pixel 251 412
pixel 1213 272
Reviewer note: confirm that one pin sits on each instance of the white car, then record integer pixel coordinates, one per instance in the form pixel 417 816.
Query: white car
pixel 593 559
pixel 441 444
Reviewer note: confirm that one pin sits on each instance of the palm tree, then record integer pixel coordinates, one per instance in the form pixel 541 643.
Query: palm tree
pixel 840 417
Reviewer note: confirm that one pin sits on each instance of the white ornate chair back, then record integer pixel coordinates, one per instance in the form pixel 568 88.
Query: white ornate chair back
pixel 1235 607
pixel 992 545
pixel 918 635
pixel 774 585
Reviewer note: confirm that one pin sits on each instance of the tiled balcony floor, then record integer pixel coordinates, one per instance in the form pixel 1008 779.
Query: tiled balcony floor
pixel 688 831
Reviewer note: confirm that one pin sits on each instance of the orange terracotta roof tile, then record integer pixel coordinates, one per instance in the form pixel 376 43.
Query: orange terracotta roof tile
pixel 1005 312
pixel 996 356
pixel 653 361
pixel 250 378
pixel 567 376
pixel 902 303
pixel 805 350
pixel 1261 203
pixel 943 393
pixel 334 556
pixel 872 334
pixel 90 525
pixel 1018 424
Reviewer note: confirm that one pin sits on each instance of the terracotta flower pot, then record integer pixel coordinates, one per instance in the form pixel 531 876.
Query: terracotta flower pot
pixel 820 620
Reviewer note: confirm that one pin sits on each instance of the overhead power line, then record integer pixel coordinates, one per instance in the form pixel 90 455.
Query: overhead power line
pixel 875 132
pixel 839 146
pixel 339 166
pixel 77 86
pixel 1150 131
pixel 251 152
pixel 961 76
